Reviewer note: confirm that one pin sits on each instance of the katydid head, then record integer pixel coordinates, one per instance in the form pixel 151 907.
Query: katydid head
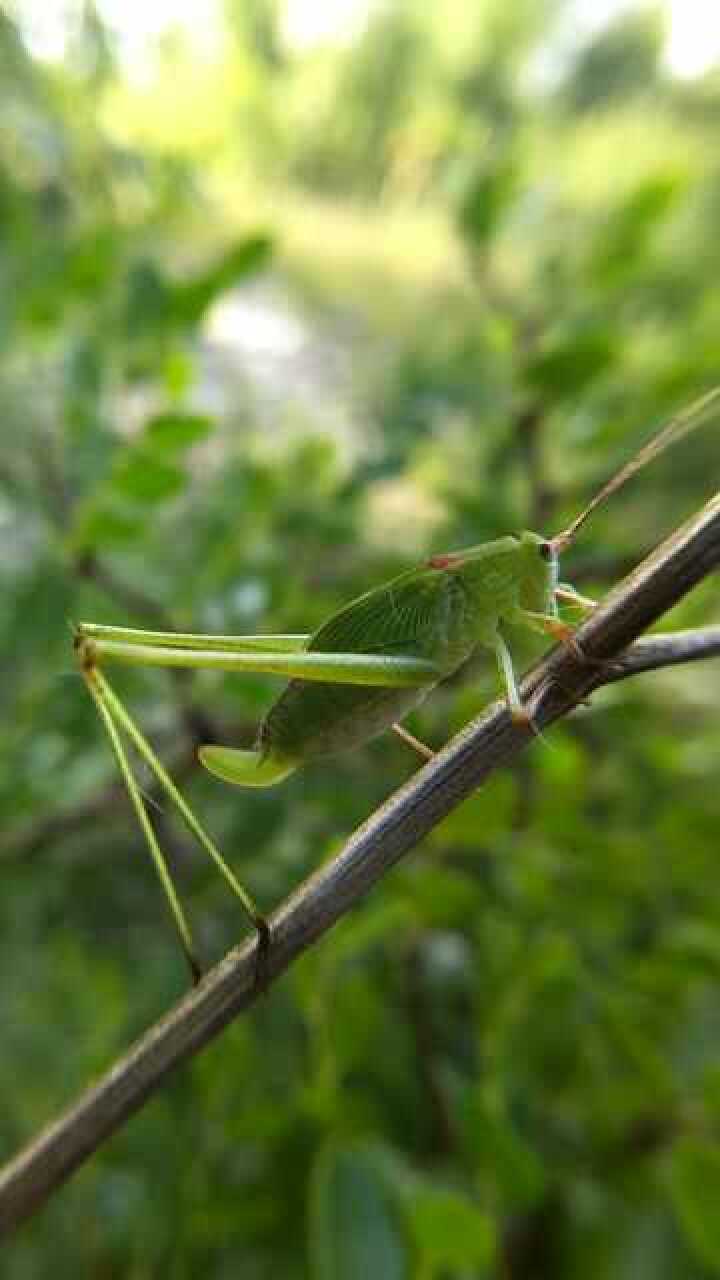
pixel 538 571
pixel 536 558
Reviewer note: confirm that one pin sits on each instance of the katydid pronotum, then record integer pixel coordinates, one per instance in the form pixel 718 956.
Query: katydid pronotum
pixel 361 672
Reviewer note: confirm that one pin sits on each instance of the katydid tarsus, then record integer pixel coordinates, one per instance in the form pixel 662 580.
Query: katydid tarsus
pixel 361 672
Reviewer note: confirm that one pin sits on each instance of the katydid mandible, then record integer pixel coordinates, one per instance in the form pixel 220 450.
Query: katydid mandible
pixel 363 670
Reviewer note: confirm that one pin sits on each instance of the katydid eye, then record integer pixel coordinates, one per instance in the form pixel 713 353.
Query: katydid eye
pixel 546 550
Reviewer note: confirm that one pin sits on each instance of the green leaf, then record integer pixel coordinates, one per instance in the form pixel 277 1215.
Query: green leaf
pixel 354 1228
pixel 500 1152
pixel 570 364
pixel 626 235
pixel 142 477
pixel 486 199
pixel 176 432
pixel 443 896
pixel 106 527
pixel 450 1231
pixel 245 257
pixel 693 1183
pixel 372 925
pixel 147 299
pixel 191 300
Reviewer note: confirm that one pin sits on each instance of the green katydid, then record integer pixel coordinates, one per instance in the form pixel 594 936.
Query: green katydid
pixel 361 672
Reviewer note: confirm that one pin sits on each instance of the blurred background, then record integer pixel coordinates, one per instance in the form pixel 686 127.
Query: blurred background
pixel 293 294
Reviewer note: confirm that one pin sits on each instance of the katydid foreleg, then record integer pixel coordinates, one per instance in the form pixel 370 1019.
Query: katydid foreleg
pixel 98 694
pixel 567 593
pixel 422 750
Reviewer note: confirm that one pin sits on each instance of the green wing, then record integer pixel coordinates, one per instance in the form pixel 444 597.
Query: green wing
pixel 422 614
pixel 414 614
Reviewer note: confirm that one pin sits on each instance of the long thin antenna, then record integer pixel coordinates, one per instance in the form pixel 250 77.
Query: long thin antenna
pixel 680 425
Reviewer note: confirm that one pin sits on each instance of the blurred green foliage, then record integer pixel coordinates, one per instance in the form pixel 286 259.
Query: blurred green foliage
pixel 505 1062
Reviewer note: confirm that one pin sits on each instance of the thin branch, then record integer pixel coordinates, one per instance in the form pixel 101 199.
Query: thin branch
pixel 669 650
pixel 491 741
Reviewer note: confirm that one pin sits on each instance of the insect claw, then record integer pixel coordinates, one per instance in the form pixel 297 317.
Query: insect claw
pixel 521 716
pixel 551 680
pixel 264 936
pixel 586 660
pixel 565 635
pixel 574 647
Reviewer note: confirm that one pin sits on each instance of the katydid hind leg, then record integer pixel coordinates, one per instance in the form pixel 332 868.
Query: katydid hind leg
pixel 182 927
pixel 375 669
pixel 142 746
pixel 282 643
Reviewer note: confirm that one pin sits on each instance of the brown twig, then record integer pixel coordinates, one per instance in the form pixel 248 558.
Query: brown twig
pixel 669 650
pixel 489 742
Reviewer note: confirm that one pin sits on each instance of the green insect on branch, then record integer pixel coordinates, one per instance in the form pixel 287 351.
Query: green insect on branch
pixel 364 670
pixel 493 740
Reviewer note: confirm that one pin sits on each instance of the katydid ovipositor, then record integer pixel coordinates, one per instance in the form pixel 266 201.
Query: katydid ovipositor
pixel 365 668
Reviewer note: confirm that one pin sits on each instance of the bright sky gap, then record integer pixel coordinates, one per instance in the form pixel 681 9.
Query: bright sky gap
pixel 693 40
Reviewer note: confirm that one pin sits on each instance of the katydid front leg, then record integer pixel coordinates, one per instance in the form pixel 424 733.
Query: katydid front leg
pixel 550 625
pixel 564 591
pixel 409 738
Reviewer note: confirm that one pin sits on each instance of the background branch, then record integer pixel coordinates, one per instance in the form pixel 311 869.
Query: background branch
pixel 653 652
pixel 553 688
